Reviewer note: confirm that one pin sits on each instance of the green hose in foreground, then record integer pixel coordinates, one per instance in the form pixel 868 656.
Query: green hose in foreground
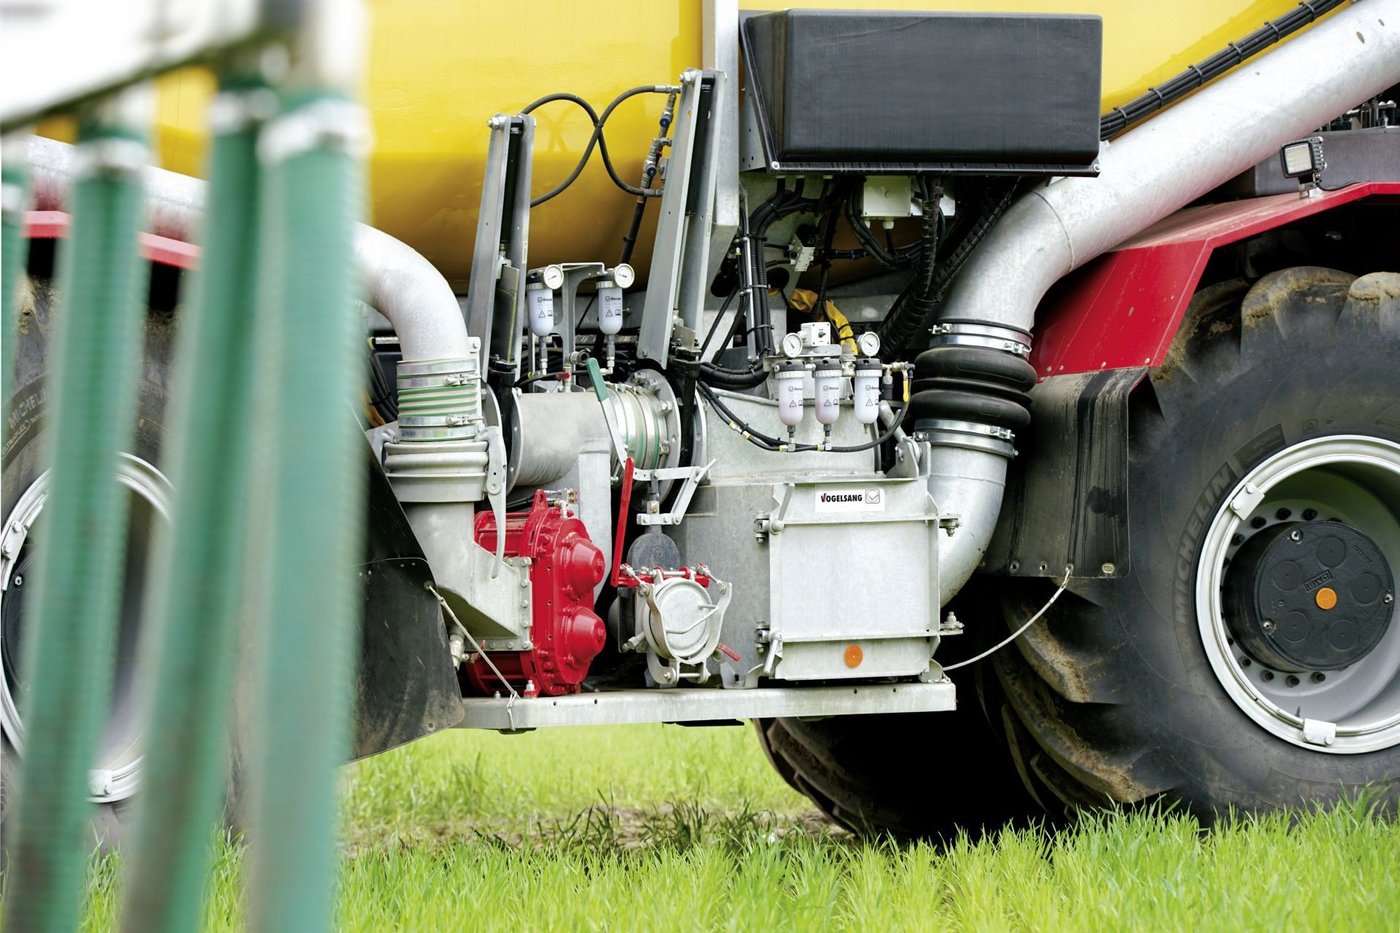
pixel 310 200
pixel 68 651
pixel 199 573
pixel 14 189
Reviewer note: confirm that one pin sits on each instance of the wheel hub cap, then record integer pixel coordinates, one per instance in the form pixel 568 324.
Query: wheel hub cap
pixel 1308 596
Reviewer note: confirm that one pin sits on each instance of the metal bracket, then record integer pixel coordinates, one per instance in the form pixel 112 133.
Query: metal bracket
pixel 575 274
pixel 692 477
pixel 680 259
pixel 495 294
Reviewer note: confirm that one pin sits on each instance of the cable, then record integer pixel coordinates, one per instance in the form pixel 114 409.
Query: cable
pixel 913 313
pixel 1178 86
pixel 1016 634
pixel 596 139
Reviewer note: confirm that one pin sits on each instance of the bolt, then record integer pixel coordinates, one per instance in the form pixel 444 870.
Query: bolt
pixel 1388 598
pixel 1318 677
pixel 1245 662
pixel 1267 675
pixel 1268 625
pixel 1108 568
pixel 1291 680
pixel 19 581
pixel 1014 566
pixel 1295 535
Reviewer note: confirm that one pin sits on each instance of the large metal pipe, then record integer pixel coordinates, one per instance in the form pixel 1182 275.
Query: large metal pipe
pixel 1156 169
pixel 399 283
pixel 1176 157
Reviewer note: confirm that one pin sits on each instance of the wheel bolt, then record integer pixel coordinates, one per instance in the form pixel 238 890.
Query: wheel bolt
pixel 1291 680
pixel 1309 514
pixel 1318 677
pixel 1267 675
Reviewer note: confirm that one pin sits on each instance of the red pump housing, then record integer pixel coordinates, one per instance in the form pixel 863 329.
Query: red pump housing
pixel 565 634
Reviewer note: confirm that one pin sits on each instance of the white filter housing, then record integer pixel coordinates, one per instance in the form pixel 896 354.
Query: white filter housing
pixel 609 309
pixel 866 393
pixel 539 309
pixel 789 389
pixel 826 380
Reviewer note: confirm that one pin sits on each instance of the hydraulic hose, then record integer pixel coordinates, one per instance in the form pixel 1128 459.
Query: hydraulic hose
pixel 1179 85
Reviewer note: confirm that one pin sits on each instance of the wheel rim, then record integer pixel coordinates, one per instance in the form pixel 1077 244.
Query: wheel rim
pixel 116 773
pixel 1354 480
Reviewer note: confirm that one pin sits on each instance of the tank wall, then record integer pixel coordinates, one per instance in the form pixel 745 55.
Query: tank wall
pixel 439 70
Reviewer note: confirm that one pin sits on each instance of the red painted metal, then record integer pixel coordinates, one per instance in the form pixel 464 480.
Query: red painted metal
pixel 53 225
pixel 565 566
pixel 623 506
pixel 1123 309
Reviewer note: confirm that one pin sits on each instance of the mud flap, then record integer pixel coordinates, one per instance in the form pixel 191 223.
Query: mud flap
pixel 406 687
pixel 1066 496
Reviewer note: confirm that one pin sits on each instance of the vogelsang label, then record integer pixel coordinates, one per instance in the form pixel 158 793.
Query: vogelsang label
pixel 846 499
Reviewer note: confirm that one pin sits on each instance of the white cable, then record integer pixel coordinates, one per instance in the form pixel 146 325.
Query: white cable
pixel 1016 634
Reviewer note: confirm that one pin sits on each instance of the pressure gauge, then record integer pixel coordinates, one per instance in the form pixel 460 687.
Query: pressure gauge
pixel 868 343
pixel 792 345
pixel 552 276
pixel 623 275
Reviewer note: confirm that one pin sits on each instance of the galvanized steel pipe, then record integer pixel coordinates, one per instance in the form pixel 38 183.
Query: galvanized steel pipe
pixel 1176 157
pixel 399 283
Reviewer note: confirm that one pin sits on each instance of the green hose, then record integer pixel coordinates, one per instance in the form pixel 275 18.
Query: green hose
pixel 68 651
pixel 199 573
pixel 310 199
pixel 14 182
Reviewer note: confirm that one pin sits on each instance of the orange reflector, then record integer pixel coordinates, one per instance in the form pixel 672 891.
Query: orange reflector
pixel 1326 598
pixel 854 655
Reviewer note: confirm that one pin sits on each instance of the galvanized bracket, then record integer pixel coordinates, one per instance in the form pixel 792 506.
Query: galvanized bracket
pixel 680 259
pixel 496 296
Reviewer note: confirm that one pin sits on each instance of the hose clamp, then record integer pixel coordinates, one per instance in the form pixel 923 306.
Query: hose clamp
pixel 1011 340
pixel 968 435
pixel 110 157
pixel 331 124
pixel 231 111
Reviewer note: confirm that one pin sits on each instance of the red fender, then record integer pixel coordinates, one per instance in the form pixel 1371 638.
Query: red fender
pixel 1123 309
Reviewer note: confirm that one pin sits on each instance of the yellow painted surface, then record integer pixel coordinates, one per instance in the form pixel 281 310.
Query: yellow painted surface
pixel 439 69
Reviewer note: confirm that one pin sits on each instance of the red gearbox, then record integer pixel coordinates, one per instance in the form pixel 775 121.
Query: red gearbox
pixel 565 633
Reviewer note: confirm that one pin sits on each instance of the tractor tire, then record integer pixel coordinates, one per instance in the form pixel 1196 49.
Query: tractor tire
pixel 912 776
pixel 116 774
pixel 1269 437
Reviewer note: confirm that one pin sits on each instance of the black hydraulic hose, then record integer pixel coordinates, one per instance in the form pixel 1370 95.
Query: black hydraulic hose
pixel 913 313
pixel 595 140
pixel 649 170
pixel 1176 87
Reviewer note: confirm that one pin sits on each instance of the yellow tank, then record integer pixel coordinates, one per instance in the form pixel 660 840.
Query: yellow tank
pixel 438 70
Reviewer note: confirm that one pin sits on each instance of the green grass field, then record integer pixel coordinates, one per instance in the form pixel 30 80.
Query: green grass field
pixel 670 828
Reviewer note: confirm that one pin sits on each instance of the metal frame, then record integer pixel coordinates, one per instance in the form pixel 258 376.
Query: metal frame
pixel 681 257
pixel 699 704
pixel 497 288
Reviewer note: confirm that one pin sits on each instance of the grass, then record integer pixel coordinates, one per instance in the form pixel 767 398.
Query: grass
pixel 669 828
